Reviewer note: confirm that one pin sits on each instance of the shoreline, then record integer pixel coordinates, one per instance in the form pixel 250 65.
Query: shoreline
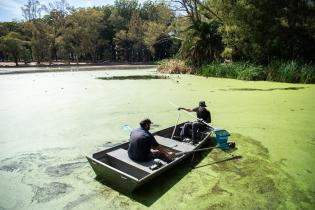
pixel 4 70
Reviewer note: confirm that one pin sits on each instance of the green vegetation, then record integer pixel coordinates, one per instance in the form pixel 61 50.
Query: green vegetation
pixel 282 71
pixel 244 71
pixel 264 40
pixel 13 44
pixel 291 71
pixel 124 32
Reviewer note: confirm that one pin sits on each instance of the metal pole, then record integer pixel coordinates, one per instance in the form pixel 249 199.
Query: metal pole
pixel 175 125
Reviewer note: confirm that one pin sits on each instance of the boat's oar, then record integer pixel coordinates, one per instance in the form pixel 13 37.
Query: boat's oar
pixel 196 150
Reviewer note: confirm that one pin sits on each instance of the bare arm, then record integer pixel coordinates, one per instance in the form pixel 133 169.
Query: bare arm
pixel 188 110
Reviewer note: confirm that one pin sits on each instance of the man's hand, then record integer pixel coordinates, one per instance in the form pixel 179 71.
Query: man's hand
pixel 171 154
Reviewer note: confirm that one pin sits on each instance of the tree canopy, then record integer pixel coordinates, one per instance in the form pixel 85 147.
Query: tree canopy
pixel 198 31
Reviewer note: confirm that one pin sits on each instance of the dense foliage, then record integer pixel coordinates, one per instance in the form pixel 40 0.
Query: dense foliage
pixel 258 31
pixel 291 71
pixel 273 40
pixel 124 32
pixel 282 71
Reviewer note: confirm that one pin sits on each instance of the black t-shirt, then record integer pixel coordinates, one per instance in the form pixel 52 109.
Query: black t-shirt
pixel 204 114
pixel 140 143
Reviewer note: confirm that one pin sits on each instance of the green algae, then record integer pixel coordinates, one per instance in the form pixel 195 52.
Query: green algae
pixel 63 169
pixel 50 191
pixel 44 140
pixel 81 199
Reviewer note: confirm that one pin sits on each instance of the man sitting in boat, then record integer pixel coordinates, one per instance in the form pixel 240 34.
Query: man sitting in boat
pixel 141 143
pixel 202 114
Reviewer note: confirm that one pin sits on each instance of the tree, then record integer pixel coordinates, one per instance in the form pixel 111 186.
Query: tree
pixel 264 30
pixel 81 33
pixel 33 10
pixel 122 45
pixel 138 32
pixel 153 35
pixel 202 38
pixel 135 35
pixel 125 8
pixel 56 20
pixel 40 40
pixel 157 12
pixel 62 7
pixel 13 45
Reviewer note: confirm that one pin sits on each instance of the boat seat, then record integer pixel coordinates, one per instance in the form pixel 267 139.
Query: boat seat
pixel 176 146
pixel 122 155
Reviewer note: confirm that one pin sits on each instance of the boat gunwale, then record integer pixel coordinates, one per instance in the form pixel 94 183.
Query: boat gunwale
pixel 149 174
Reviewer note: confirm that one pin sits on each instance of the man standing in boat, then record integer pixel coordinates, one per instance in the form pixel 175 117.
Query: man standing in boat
pixel 202 114
pixel 141 143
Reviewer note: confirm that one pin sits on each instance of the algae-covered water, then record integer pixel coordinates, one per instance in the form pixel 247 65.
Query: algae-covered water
pixel 49 121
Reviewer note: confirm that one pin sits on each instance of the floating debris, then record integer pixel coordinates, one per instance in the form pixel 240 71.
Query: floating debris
pixel 134 77
pixel 257 89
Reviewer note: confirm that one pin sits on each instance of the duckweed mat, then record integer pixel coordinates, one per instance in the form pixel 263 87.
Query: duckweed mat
pixel 250 182
pixel 245 178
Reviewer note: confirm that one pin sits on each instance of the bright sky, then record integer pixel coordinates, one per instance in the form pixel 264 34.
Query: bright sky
pixel 11 9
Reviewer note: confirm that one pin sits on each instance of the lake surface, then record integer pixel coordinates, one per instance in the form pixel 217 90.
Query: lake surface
pixel 50 121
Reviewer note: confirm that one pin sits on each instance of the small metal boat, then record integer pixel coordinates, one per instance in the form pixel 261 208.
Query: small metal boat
pixel 114 166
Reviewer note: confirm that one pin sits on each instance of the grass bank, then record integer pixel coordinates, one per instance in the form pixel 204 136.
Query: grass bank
pixel 280 71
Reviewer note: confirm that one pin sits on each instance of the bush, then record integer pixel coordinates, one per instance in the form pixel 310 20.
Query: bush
pixel 277 70
pixel 242 71
pixel 174 66
pixel 290 71
pixel 308 74
pixel 251 72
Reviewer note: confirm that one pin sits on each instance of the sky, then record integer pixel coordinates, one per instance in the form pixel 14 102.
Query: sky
pixel 11 9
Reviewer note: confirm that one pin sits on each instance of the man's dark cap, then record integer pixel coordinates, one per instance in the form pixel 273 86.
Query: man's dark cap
pixel 202 104
pixel 145 121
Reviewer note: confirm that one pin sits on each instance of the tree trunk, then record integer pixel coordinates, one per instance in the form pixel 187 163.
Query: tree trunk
pixel 16 61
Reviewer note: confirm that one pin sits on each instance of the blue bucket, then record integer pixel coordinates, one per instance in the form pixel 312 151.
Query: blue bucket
pixel 222 137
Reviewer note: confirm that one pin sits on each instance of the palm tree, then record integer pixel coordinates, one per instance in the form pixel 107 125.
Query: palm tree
pixel 202 43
